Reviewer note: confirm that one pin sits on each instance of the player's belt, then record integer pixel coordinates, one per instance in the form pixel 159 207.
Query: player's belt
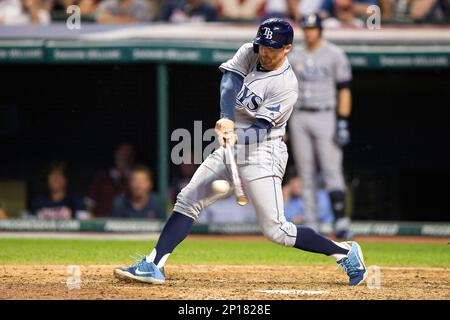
pixel 312 109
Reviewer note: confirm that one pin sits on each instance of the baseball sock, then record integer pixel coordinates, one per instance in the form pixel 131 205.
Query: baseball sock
pixel 337 199
pixel 176 230
pixel 309 240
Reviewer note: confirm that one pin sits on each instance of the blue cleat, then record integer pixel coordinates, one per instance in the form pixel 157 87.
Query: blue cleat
pixel 142 271
pixel 353 265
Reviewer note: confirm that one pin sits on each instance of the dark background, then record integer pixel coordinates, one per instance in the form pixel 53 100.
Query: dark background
pixel 398 163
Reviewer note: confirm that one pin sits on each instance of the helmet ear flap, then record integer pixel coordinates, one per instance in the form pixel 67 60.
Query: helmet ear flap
pixel 255 48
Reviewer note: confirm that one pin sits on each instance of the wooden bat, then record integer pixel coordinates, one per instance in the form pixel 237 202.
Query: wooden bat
pixel 241 197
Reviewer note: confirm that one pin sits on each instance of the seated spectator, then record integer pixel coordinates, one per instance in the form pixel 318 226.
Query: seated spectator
pixel 182 178
pixel 324 208
pixel 292 9
pixel 240 9
pixel 226 210
pixel 347 8
pixel 140 201
pixel 343 16
pixel 430 10
pixel 58 203
pixel 87 7
pixel 3 214
pixel 294 210
pixel 177 11
pixel 360 7
pixel 123 12
pixel 17 12
pixel 108 184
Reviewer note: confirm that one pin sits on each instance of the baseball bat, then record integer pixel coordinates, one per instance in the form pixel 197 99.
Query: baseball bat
pixel 241 197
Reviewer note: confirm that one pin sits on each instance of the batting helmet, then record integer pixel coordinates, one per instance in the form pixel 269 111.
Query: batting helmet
pixel 311 20
pixel 274 33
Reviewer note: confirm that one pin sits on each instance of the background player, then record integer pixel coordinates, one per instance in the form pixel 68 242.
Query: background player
pixel 318 126
pixel 258 92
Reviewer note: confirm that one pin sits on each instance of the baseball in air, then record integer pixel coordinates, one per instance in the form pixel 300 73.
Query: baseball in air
pixel 220 186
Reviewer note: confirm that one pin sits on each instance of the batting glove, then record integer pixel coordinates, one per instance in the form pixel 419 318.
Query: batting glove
pixel 225 131
pixel 342 136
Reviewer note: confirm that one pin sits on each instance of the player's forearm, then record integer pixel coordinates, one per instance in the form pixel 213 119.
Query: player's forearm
pixel 229 87
pixel 344 102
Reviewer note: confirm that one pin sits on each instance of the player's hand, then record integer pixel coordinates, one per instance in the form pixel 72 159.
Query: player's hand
pixel 225 132
pixel 342 136
pixel 229 137
pixel 224 125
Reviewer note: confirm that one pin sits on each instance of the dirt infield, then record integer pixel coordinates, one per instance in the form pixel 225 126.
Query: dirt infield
pixel 222 282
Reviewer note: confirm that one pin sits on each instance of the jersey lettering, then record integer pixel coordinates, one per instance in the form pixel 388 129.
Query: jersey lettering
pixel 248 99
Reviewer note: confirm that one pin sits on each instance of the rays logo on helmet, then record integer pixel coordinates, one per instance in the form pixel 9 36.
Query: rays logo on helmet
pixel 312 19
pixel 268 33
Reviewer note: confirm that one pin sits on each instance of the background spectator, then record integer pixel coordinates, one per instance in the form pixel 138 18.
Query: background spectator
pixel 108 184
pixel 240 9
pixel 430 10
pixel 226 210
pixel 11 12
pixel 38 11
pixel 58 203
pixel 293 205
pixel 358 7
pixel 123 11
pixel 185 173
pixel 140 201
pixel 187 11
pixel 87 7
pixel 292 9
pixel 294 210
pixel 324 206
pixel 3 214
pixel 343 15
pixel 16 12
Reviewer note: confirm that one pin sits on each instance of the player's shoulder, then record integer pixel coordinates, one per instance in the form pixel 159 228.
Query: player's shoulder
pixel 333 48
pixel 286 83
pixel 299 48
pixel 247 52
pixel 296 51
pixel 290 77
pixel 246 48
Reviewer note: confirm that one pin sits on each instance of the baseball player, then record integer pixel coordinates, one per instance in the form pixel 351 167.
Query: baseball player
pixel 318 126
pixel 258 91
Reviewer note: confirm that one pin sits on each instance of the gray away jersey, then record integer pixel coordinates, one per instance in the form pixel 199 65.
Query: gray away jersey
pixel 267 95
pixel 318 73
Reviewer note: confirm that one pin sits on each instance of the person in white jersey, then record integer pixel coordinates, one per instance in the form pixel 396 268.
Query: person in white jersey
pixel 318 127
pixel 257 94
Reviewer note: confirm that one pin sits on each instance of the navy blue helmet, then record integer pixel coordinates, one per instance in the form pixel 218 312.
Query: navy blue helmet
pixel 274 33
pixel 311 20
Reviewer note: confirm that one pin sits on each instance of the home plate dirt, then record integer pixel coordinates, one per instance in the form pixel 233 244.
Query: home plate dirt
pixel 220 282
